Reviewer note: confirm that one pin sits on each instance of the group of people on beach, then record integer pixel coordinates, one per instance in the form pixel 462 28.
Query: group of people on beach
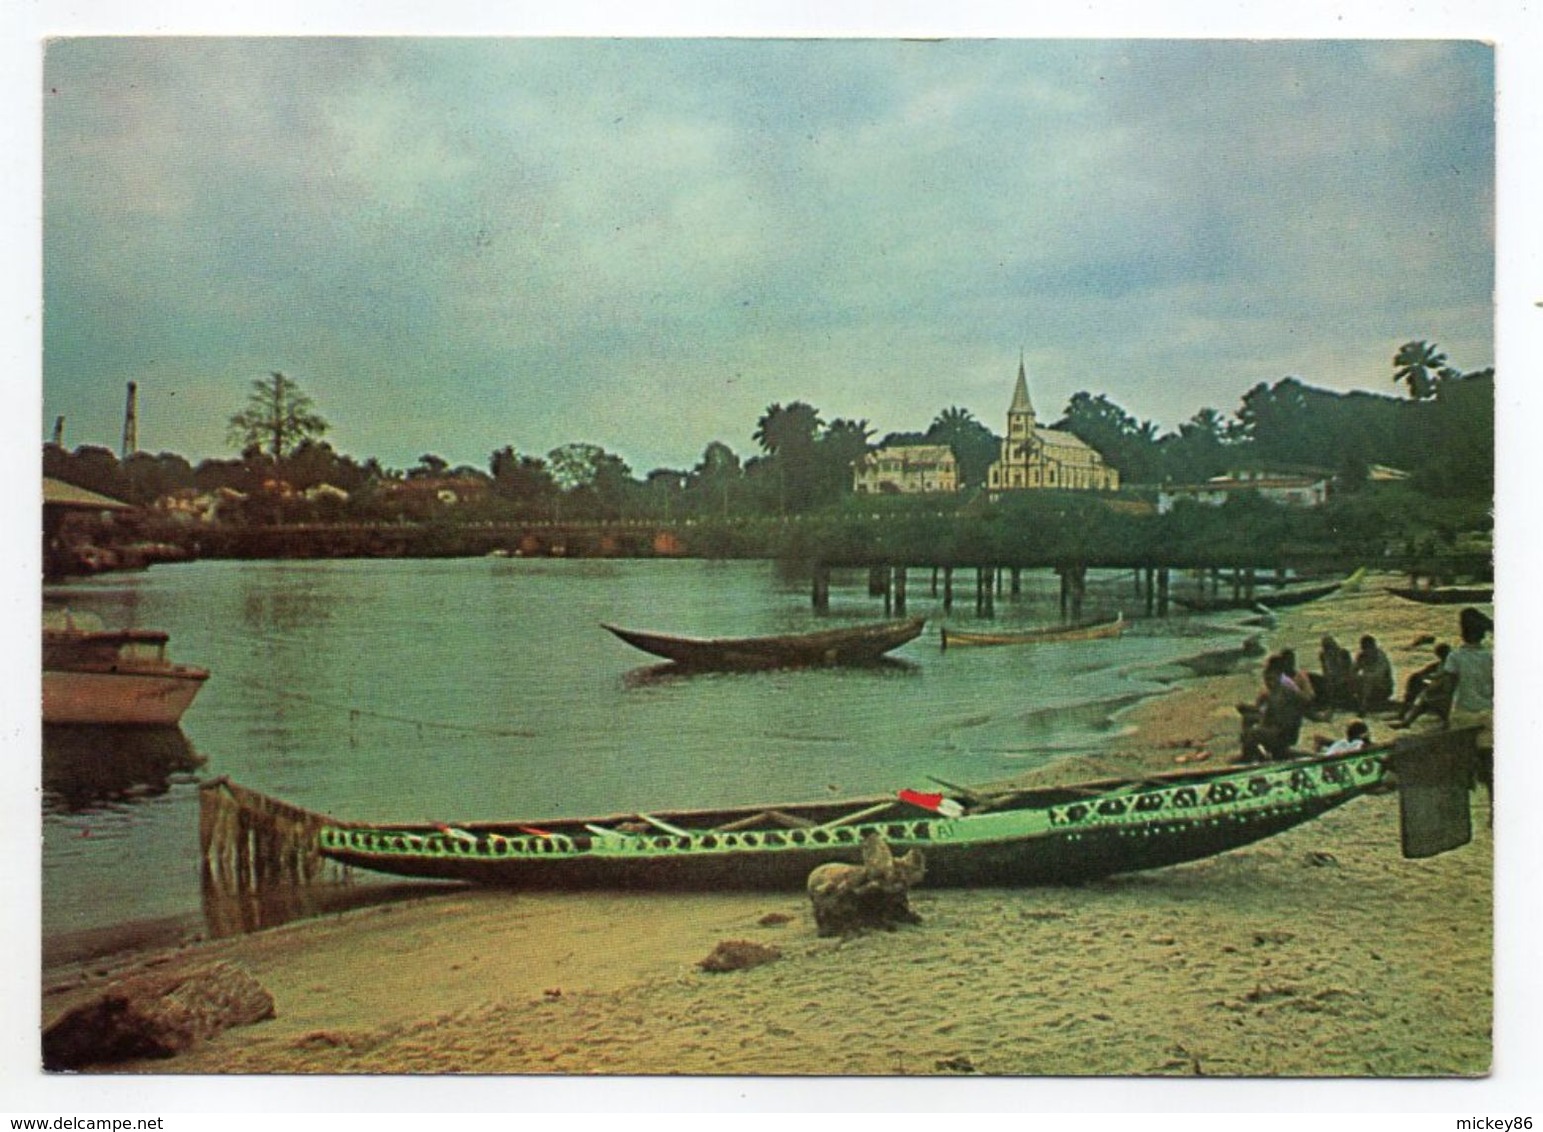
pixel 1457 688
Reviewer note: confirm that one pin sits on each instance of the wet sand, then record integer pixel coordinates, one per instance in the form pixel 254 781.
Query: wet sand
pixel 1321 952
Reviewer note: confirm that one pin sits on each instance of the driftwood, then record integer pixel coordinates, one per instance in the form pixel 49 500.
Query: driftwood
pixel 155 1016
pixel 851 898
pixel 739 955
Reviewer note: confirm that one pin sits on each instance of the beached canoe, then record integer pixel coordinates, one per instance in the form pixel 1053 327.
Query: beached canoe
pixel 1086 631
pixel 1446 595
pixel 1054 835
pixel 857 644
pixel 1274 599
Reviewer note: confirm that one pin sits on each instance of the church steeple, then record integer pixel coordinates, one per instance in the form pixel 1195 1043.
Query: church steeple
pixel 1021 403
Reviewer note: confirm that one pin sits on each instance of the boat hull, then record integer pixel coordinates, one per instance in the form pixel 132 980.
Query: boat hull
pixel 1069 839
pixel 1447 595
pixel 1270 600
pixel 118 699
pixel 1101 631
pixel 860 645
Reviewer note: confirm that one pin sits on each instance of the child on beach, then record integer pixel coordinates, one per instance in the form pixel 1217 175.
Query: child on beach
pixel 1358 737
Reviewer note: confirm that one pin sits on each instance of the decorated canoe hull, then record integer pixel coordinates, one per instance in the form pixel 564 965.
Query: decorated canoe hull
pixel 1040 837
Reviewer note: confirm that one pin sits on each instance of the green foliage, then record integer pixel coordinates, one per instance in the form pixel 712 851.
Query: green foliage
pixel 1126 443
pixel 974 445
pixel 278 417
pixel 1420 366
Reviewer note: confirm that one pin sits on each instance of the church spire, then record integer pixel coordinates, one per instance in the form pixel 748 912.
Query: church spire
pixel 1021 402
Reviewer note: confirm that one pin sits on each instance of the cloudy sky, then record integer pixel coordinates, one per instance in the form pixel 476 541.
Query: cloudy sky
pixel 459 244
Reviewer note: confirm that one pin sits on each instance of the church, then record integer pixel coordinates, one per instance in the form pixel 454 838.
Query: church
pixel 1033 457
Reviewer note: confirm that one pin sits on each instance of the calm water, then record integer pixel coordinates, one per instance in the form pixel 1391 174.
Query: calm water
pixel 482 689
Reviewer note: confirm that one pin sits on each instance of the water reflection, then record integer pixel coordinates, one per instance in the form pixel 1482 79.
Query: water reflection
pixel 229 913
pixel 669 672
pixel 88 768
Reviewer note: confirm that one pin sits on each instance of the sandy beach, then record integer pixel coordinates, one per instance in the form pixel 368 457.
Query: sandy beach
pixel 1321 952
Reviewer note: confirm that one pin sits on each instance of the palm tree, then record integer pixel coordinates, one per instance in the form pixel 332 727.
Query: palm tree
pixel 973 444
pixel 952 421
pixel 783 429
pixel 787 435
pixel 1420 365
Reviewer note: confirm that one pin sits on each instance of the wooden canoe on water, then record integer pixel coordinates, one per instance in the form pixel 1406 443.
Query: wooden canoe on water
pixel 1087 631
pixel 858 644
pixel 1047 835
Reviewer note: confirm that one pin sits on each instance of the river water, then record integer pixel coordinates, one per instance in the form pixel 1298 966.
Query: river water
pixel 457 690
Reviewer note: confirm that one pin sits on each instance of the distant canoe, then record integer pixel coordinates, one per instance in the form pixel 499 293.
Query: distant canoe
pixel 858 644
pixel 1086 631
pixel 1270 600
pixel 1447 595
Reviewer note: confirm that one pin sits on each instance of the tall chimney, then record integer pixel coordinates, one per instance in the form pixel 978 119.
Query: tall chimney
pixel 131 422
pixel 59 432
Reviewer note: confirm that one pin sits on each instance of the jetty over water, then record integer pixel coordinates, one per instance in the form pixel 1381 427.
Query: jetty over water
pixel 948 555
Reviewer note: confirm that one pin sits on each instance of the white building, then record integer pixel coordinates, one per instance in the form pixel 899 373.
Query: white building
pixel 1291 490
pixel 907 470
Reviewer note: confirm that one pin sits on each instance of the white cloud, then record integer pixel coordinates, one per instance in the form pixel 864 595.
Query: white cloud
pixel 508 238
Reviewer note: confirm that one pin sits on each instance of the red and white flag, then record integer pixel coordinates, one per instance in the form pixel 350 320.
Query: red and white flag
pixel 934 802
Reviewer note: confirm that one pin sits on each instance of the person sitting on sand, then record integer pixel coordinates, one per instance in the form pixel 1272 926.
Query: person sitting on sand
pixel 1373 673
pixel 1293 672
pixel 1358 737
pixel 1270 733
pixel 1471 667
pixel 1428 690
pixel 1334 687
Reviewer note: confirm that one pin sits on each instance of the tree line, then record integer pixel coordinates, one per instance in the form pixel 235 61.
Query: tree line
pixel 1441 432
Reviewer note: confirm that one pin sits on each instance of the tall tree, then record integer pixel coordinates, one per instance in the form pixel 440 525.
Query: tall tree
pixel 787 435
pixel 1198 450
pixel 1130 445
pixel 842 444
pixel 972 443
pixel 429 466
pixel 787 429
pixel 524 480
pixel 1420 366
pixel 717 473
pixel 575 465
pixel 277 418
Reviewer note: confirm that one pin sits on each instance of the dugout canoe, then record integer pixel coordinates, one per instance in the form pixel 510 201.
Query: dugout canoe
pixel 1086 631
pixel 1273 600
pixel 1042 836
pixel 856 644
pixel 1446 595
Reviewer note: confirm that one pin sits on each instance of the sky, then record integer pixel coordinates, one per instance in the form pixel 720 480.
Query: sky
pixel 458 244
